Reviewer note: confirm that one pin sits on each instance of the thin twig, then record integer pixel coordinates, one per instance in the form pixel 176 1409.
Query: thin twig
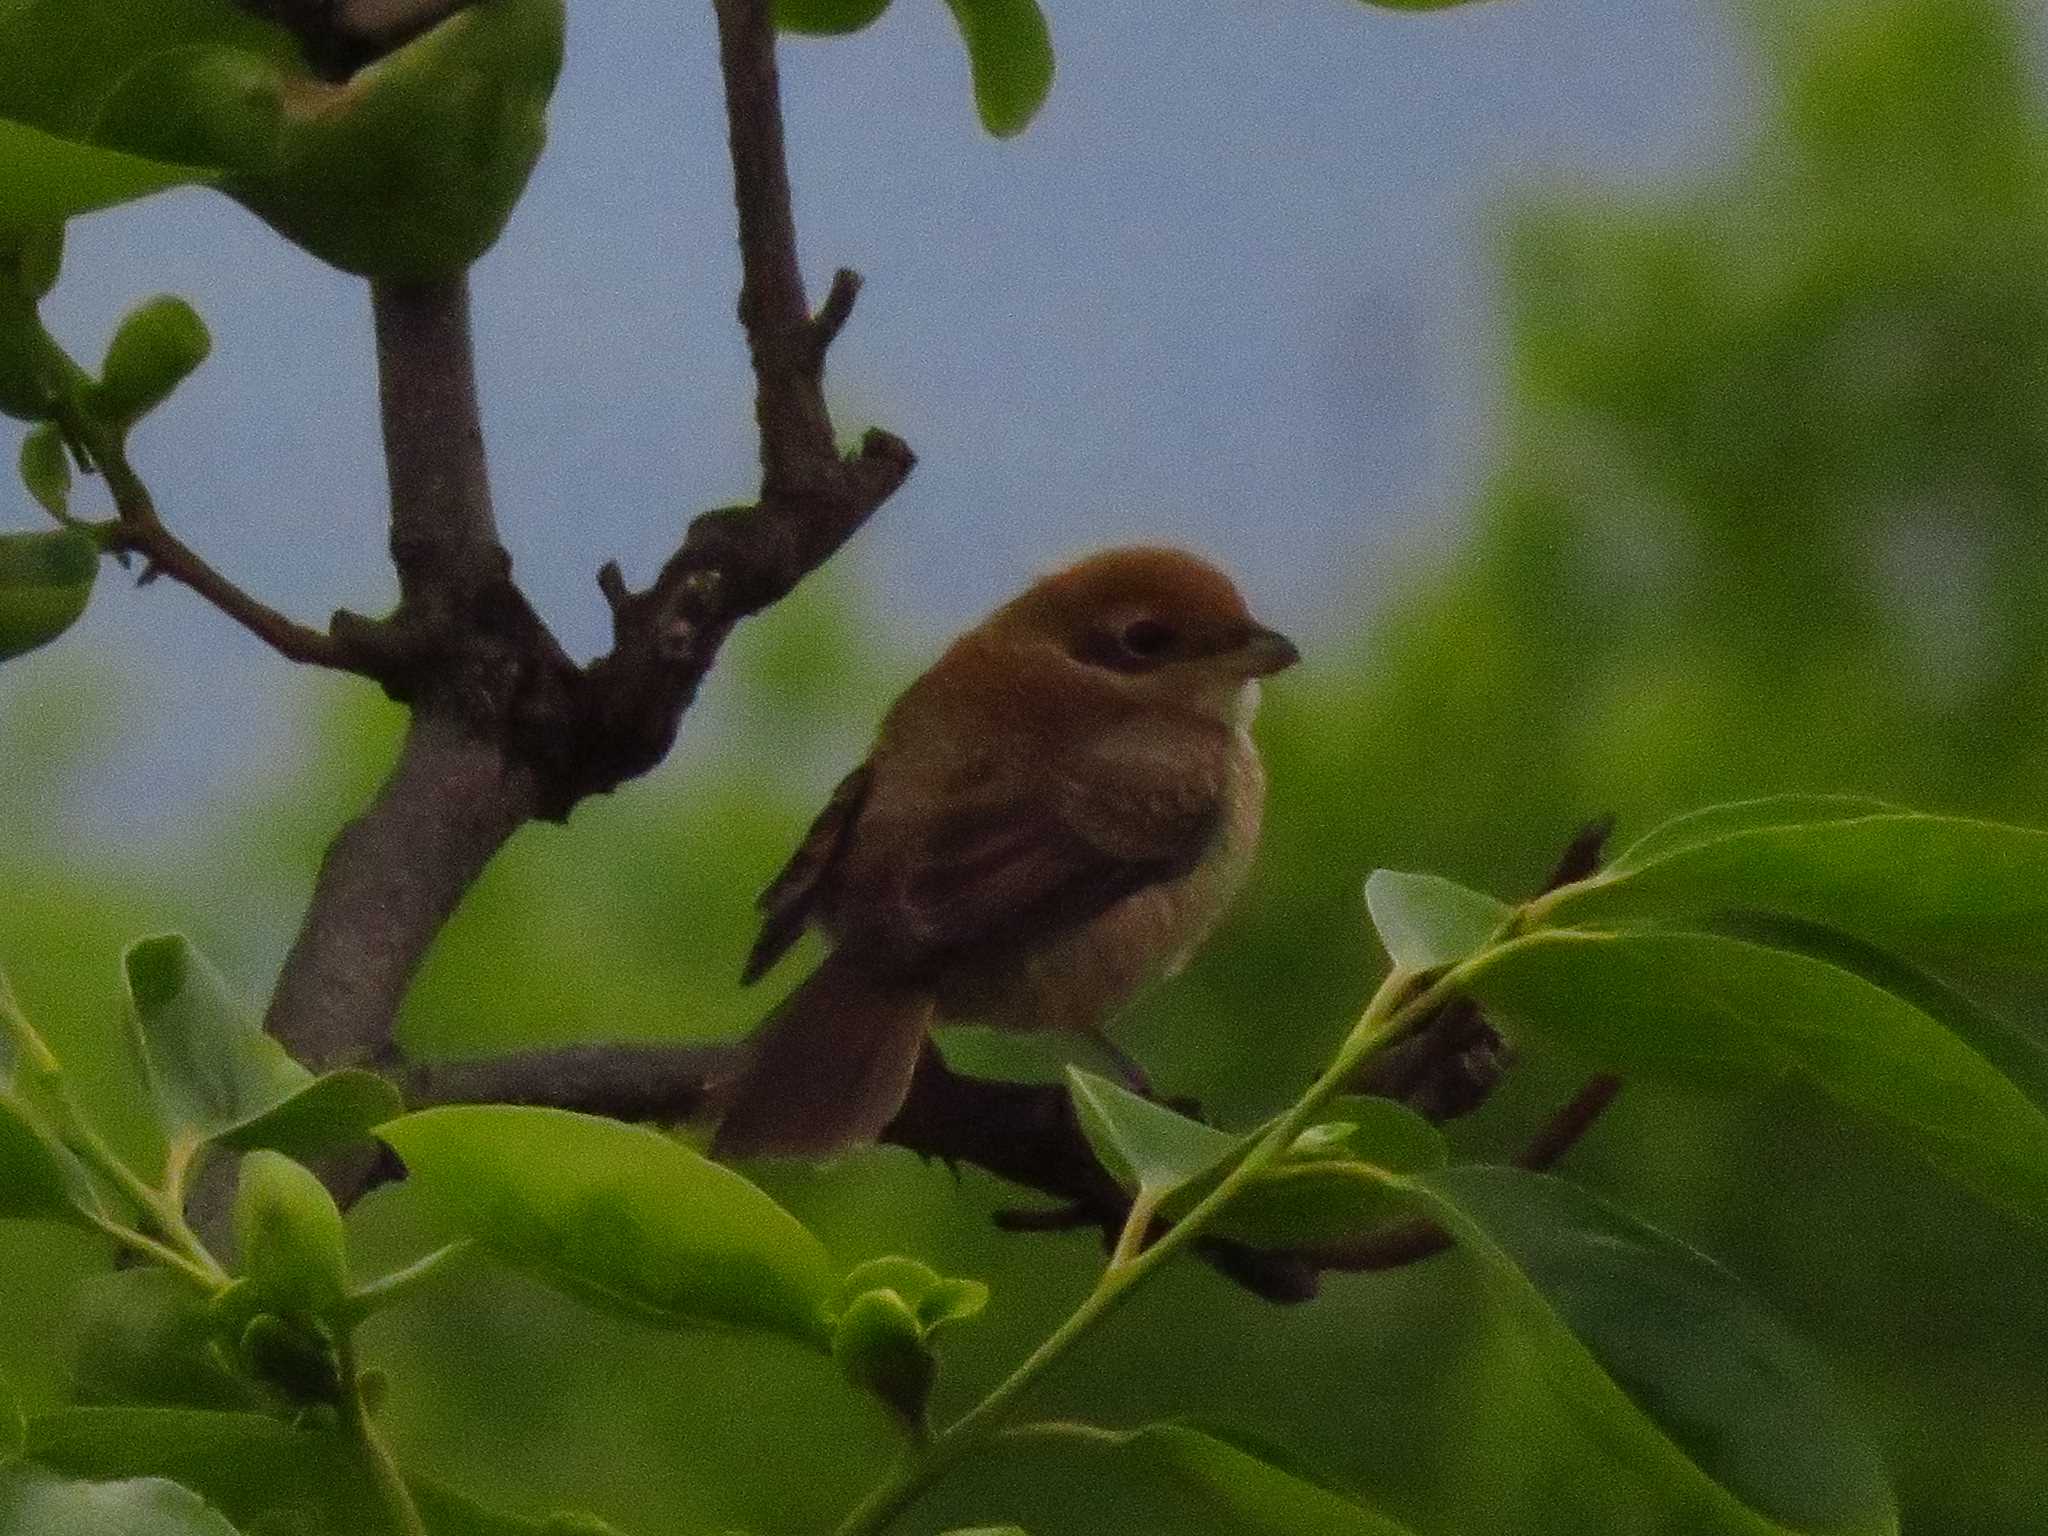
pixel 139 528
pixel 1565 1129
pixel 1413 1241
pixel 735 561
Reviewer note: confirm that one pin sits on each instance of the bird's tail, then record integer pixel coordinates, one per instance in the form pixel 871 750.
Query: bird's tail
pixel 829 1069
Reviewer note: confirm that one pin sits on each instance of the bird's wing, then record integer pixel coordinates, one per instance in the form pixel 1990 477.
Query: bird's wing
pixel 790 900
pixel 1018 846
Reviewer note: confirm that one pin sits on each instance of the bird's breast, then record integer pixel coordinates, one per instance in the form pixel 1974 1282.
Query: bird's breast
pixel 1076 978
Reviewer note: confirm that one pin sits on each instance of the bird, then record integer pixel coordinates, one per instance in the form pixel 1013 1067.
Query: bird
pixel 1052 817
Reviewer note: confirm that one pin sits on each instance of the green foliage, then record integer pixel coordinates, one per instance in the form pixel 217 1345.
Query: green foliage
pixel 148 1336
pixel 35 1504
pixel 288 1235
pixel 408 169
pixel 827 18
pixel 1741 414
pixel 1428 922
pixel 46 469
pixel 214 1075
pixel 880 1348
pixel 45 179
pixel 1245 1495
pixel 1147 1147
pixel 1009 53
pixel 618 1216
pixel 882 1319
pixel 155 346
pixel 45 582
pixel 13 1425
pixel 1962 890
pixel 38 1176
pixel 1701 1010
pixel 933 1299
pixel 411 168
pixel 1325 1189
pixel 1665 1360
pixel 256 1469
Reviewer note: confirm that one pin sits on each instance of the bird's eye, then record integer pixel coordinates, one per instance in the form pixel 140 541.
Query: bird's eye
pixel 1147 637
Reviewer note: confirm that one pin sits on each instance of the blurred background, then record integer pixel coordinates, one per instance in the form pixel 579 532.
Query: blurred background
pixel 1630 407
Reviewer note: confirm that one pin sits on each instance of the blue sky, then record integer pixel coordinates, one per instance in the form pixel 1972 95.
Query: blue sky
pixel 1231 290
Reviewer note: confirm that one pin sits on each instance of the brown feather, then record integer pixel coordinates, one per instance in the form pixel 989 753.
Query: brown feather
pixel 788 903
pixel 830 1067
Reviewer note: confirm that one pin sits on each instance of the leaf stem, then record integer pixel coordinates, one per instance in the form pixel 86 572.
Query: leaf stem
pixel 374 1295
pixel 377 1457
pixel 1072 1430
pixel 1132 1238
pixel 1393 1006
pixel 161 1206
pixel 163 1254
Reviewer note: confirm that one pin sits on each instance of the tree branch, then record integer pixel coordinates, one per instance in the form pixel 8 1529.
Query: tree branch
pixel 738 560
pixel 469 654
pixel 165 554
pixel 444 533
pixel 505 727
pixel 1028 1134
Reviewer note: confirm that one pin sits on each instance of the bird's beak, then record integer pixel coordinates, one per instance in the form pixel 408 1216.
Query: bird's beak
pixel 1266 651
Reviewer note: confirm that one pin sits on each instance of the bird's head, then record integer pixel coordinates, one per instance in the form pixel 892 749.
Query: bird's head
pixel 1167 625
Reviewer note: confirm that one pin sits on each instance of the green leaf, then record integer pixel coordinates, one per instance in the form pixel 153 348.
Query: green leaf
pixel 1974 891
pixel 1323 1190
pixel 1146 1147
pixel 410 169
pixel 88 48
pixel 13 1424
pixel 45 179
pixel 1428 922
pixel 213 104
pixel 1329 1188
pixel 34 257
pixel 1246 1495
pixel 2018 1056
pixel 46 469
pixel 157 344
pixel 1370 1129
pixel 39 1177
pixel 1701 1009
pixel 330 1111
pixel 205 1057
pixel 879 1346
pixel 935 1299
pixel 295 1358
pixel 289 1237
pixel 215 1076
pixel 989 1530
pixel 33 1503
pixel 827 18
pixel 1665 1360
pixel 45 582
pixel 1009 53
pixel 253 1467
pixel 1714 822
pixel 147 1336
pixel 19 1042
pixel 618 1216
